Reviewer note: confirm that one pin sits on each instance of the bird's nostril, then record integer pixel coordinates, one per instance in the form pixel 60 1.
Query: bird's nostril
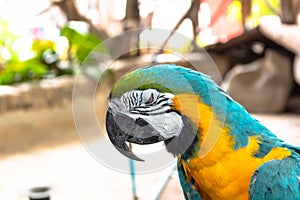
pixel 141 122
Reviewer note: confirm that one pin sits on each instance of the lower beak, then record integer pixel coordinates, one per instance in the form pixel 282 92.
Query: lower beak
pixel 140 133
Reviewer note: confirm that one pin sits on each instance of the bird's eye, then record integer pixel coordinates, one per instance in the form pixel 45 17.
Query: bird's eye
pixel 149 96
pixel 150 100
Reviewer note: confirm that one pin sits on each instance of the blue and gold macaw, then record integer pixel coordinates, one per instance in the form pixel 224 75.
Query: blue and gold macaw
pixel 223 152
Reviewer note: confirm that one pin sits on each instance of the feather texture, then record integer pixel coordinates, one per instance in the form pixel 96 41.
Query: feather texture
pixel 242 158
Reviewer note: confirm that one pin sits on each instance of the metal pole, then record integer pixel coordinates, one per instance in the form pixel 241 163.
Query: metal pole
pixel 162 183
pixel 132 173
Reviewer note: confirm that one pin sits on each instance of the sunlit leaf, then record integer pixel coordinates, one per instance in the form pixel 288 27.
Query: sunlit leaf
pixel 81 44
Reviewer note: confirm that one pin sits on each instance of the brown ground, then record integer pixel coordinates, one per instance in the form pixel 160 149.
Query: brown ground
pixel 24 131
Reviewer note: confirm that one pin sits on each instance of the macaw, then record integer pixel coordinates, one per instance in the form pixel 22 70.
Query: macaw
pixel 222 151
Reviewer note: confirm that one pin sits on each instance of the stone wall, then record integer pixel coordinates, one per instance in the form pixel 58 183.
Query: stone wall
pixel 36 95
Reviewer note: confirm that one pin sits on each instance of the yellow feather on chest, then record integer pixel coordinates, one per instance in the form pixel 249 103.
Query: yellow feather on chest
pixel 220 171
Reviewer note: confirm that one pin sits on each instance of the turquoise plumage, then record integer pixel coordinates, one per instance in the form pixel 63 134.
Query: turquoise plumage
pixel 276 179
pixel 272 167
pixel 189 190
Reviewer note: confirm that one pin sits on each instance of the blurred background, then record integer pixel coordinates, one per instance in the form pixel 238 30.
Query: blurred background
pixel 44 43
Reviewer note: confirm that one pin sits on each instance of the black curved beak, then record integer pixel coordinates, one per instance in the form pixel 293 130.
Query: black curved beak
pixel 121 129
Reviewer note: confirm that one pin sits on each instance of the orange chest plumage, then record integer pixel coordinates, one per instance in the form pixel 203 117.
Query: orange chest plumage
pixel 218 170
pixel 228 176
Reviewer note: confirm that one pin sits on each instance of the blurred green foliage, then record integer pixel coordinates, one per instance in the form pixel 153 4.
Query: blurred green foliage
pixel 262 8
pixel 13 70
pixel 16 71
pixel 259 8
pixel 80 44
pixel 234 11
pixel 45 60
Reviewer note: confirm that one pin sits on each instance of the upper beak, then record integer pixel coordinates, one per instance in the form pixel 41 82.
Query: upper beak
pixel 139 132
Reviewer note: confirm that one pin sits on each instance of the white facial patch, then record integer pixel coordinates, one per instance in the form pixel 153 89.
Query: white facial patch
pixel 167 124
pixel 151 106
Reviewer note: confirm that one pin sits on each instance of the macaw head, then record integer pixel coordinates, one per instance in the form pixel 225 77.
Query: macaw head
pixel 153 104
